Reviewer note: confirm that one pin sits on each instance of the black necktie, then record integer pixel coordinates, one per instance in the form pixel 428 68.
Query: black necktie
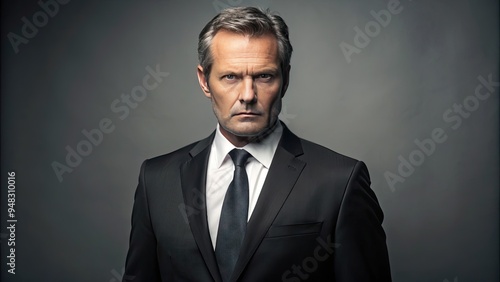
pixel 233 218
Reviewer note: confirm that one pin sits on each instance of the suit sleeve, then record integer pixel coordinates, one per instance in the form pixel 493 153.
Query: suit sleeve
pixel 362 254
pixel 142 263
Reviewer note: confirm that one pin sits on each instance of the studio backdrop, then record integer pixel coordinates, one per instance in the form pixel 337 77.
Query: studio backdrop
pixel 90 89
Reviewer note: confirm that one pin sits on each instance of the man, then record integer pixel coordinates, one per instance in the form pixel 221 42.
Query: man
pixel 253 202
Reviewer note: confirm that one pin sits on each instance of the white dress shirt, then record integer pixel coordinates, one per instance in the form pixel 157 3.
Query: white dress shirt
pixel 220 172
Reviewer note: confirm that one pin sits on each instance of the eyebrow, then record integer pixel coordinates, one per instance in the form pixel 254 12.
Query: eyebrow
pixel 267 70
pixel 258 71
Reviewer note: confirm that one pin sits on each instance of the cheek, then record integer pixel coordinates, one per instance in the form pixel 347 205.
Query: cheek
pixel 272 100
pixel 223 103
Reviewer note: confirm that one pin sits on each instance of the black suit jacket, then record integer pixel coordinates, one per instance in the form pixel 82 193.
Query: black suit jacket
pixel 316 219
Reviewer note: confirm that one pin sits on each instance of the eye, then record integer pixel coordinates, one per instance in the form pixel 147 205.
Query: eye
pixel 264 77
pixel 229 76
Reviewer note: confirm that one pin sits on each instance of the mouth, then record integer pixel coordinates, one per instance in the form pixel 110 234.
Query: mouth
pixel 247 114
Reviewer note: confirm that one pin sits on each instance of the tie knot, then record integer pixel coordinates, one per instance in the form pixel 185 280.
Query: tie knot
pixel 239 157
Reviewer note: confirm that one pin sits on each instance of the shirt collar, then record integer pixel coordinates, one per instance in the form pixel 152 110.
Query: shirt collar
pixel 262 151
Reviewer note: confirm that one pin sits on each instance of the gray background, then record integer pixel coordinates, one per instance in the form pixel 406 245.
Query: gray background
pixel 442 222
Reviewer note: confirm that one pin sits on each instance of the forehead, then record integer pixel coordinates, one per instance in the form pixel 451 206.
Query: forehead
pixel 228 45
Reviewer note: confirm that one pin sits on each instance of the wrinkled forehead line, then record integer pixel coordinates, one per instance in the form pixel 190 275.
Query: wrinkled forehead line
pixel 222 43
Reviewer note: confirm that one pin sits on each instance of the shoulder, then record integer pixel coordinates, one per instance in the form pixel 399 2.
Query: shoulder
pixel 325 162
pixel 317 157
pixel 322 155
pixel 177 157
pixel 333 167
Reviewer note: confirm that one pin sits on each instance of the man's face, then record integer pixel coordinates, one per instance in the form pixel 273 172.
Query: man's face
pixel 246 84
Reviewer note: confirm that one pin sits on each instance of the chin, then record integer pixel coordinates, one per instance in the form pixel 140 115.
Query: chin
pixel 246 133
pixel 247 130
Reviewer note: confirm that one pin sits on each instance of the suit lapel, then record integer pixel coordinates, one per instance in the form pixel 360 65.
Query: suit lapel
pixel 193 178
pixel 281 178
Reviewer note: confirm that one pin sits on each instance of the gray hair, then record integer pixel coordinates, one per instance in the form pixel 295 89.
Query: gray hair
pixel 246 21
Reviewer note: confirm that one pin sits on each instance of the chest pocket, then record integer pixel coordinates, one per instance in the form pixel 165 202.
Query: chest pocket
pixel 294 229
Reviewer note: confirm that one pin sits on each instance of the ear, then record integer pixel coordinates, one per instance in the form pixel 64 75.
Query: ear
pixel 203 81
pixel 286 80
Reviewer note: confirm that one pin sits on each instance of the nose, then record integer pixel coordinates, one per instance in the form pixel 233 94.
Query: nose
pixel 248 95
